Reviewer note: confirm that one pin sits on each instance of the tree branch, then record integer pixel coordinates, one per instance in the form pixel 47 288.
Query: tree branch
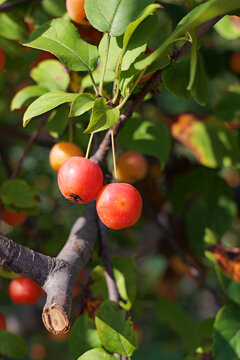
pixel 55 275
pixel 110 278
pixel 11 5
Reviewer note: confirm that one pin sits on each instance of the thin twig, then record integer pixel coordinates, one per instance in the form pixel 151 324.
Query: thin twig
pixel 45 140
pixel 31 141
pixel 174 245
pixel 110 278
pixel 10 5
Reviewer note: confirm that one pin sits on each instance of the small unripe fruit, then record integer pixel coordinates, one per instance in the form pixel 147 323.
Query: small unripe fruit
pixel 119 205
pixel 234 62
pixel 76 11
pixel 80 179
pixel 62 151
pixel 131 167
pixel 13 218
pixel 2 58
pixel 24 291
pixel 3 325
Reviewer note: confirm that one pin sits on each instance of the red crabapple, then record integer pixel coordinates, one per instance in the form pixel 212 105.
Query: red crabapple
pixel 13 218
pixel 24 291
pixel 119 205
pixel 80 179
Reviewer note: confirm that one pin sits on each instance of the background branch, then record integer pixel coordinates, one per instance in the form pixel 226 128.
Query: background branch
pixel 11 5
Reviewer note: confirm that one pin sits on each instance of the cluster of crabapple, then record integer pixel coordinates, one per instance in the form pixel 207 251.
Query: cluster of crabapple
pixel 118 204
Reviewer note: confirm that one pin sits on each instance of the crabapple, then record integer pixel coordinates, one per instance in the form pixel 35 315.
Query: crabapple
pixel 13 218
pixel 24 291
pixel 131 167
pixel 76 11
pixel 62 151
pixel 2 58
pixel 3 325
pixel 234 62
pixel 80 179
pixel 119 205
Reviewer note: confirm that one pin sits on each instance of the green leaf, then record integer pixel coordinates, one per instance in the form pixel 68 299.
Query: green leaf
pixel 25 96
pixel 113 16
pixel 83 336
pixel 12 345
pixel 46 103
pixel 51 74
pixel 126 279
pixel 82 104
pixel 226 335
pixel 114 52
pixel 199 89
pixel 210 141
pixel 62 39
pixel 103 117
pixel 17 195
pixel 58 121
pixel 230 286
pixel 204 330
pixel 115 329
pixel 227 28
pixel 192 20
pixel 11 28
pixel 149 10
pixel 147 137
pixel 97 354
pixel 178 320
pixel 175 78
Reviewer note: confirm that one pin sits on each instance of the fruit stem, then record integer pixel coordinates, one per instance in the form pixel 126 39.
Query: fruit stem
pixel 93 82
pixel 104 66
pixel 89 145
pixel 70 131
pixel 114 155
pixel 132 89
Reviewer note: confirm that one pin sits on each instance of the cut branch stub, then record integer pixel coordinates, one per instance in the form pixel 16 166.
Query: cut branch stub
pixel 56 320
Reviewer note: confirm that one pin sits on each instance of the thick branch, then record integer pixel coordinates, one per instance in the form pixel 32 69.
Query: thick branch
pixel 55 275
pixel 75 255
